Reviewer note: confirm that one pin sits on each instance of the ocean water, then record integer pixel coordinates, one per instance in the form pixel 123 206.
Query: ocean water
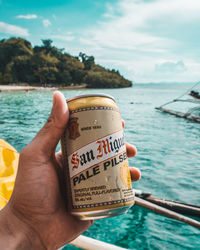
pixel 168 156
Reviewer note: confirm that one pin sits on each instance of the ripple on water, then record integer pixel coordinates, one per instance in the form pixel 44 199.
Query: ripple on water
pixel 168 156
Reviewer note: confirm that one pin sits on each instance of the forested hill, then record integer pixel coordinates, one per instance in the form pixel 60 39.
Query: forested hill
pixel 47 65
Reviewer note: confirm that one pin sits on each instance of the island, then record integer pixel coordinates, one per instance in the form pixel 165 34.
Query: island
pixel 49 66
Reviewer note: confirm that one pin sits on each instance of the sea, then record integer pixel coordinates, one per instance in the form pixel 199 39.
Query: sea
pixel 168 157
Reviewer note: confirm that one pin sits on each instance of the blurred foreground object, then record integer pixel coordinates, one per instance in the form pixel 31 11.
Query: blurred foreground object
pixel 9 158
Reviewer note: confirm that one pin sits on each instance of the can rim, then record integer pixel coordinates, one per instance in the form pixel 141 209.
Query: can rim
pixel 90 95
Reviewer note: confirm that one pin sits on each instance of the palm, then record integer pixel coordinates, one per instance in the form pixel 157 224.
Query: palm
pixel 42 203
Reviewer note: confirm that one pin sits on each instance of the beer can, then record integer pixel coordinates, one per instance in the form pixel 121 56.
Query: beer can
pixel 98 182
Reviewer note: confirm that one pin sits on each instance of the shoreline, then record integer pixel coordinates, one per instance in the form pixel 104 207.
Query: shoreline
pixel 4 88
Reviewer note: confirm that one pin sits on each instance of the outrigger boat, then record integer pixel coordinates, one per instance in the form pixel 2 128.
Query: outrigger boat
pixel 192 113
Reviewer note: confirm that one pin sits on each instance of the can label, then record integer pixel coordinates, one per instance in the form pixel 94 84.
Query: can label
pixel 98 166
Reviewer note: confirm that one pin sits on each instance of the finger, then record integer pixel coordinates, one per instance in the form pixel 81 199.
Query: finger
pixel 131 150
pixel 59 159
pixel 47 138
pixel 135 174
pixel 123 123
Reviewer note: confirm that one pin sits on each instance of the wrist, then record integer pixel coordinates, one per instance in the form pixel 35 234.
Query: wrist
pixel 15 234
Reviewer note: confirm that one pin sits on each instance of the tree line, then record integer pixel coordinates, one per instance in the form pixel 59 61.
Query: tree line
pixel 47 65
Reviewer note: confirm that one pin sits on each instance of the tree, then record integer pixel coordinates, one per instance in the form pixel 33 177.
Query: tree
pixel 47 45
pixel 88 61
pixel 47 64
pixel 11 48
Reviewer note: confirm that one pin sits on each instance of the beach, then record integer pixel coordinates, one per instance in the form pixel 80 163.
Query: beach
pixel 16 88
pixel 27 87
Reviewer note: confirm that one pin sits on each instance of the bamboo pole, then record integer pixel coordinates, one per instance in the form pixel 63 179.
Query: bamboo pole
pixel 179 207
pixel 91 244
pixel 180 114
pixel 166 212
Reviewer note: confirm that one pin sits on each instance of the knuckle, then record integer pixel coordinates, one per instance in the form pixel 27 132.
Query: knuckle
pixel 54 122
pixel 51 119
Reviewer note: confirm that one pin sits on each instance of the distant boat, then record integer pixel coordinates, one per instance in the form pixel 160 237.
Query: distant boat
pixel 192 113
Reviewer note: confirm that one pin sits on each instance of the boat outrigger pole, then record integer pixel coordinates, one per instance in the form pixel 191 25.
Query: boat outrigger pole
pixel 188 114
pixel 169 208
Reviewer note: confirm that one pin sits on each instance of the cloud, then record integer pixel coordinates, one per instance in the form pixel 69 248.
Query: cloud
pixel 46 23
pixel 28 16
pixel 13 29
pixel 54 16
pixel 122 28
pixel 139 34
pixel 170 67
pixel 67 38
pixel 136 24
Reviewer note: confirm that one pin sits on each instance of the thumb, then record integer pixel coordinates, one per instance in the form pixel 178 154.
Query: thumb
pixel 48 137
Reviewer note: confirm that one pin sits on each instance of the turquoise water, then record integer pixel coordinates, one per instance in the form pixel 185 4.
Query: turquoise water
pixel 168 156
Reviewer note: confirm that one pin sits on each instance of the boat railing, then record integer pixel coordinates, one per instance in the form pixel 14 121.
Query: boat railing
pixel 88 243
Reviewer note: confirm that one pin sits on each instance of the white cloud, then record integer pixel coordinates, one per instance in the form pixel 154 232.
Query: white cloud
pixel 54 16
pixel 67 38
pixel 137 24
pixel 28 16
pixel 13 29
pixel 170 67
pixel 46 23
pixel 136 35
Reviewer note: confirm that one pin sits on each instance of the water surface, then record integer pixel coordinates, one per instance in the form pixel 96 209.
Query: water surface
pixel 168 156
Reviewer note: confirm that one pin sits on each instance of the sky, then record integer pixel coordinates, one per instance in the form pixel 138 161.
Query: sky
pixel 146 40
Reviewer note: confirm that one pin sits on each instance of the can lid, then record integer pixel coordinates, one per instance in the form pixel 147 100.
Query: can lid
pixel 90 95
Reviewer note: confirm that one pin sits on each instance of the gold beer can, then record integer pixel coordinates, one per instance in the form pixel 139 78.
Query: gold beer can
pixel 98 182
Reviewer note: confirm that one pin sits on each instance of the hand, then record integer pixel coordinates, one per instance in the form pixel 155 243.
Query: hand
pixel 36 217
